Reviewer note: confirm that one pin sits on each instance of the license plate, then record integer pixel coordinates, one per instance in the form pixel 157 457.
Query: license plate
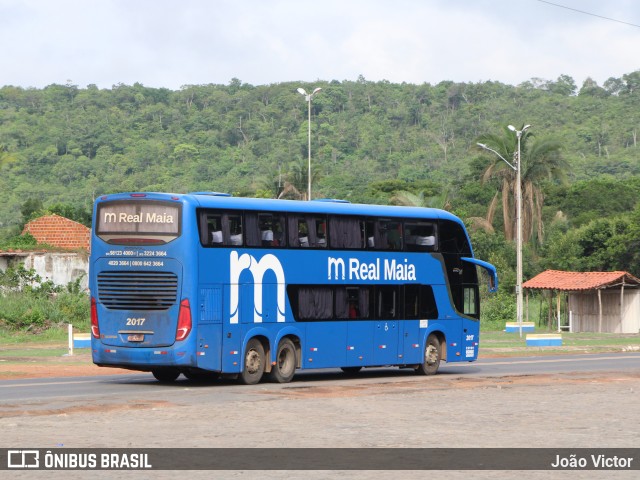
pixel 138 337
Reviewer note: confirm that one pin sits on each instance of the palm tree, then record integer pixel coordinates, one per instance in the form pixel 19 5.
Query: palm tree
pixel 541 161
pixel 295 185
pixel 409 199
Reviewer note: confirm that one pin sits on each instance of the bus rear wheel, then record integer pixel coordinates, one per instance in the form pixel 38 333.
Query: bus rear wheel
pixel 285 367
pixel 432 354
pixel 166 375
pixel 253 363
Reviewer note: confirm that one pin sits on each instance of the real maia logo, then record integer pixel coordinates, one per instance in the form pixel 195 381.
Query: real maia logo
pixel 354 269
pixel 149 217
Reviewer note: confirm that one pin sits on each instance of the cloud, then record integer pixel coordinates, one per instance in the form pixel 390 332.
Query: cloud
pixel 165 43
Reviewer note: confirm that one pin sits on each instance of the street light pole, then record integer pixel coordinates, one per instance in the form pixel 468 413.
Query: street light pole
pixel 517 169
pixel 520 306
pixel 308 97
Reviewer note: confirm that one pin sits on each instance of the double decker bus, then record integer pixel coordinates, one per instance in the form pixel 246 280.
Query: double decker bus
pixel 205 284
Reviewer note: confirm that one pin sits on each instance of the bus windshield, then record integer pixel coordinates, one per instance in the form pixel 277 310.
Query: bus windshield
pixel 138 222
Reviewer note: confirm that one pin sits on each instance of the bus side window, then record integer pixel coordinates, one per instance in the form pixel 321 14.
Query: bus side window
pixel 411 301
pixel 352 302
pixel 307 231
pixel 470 301
pixel 428 305
pixel 211 229
pixel 315 303
pixel 387 304
pixel 420 236
pixel 388 235
pixel 453 238
pixel 345 232
pixel 235 230
pixel 419 302
pixel 264 229
pixel 303 233
pixel 370 235
pixel 321 232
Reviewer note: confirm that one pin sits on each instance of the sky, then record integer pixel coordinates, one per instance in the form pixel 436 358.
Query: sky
pixel 173 43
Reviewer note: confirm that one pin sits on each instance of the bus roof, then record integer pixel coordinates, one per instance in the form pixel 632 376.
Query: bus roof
pixel 326 206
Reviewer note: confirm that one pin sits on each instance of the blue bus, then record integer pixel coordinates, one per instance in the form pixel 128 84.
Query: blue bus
pixel 206 284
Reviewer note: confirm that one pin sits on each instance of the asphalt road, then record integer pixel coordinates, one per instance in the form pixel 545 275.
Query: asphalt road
pixel 570 401
pixel 114 387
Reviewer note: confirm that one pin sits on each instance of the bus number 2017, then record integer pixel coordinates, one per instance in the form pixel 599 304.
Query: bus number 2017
pixel 135 321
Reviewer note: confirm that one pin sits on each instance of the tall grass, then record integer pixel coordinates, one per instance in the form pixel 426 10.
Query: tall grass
pixel 29 305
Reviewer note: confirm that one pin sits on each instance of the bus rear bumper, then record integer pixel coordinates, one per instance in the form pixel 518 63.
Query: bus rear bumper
pixel 144 359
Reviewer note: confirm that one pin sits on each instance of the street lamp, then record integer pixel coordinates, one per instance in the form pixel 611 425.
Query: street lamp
pixel 308 97
pixel 519 223
pixel 517 169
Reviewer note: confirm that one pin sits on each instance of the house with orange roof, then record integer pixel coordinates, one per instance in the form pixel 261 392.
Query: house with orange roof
pixel 59 232
pixel 67 262
pixel 595 301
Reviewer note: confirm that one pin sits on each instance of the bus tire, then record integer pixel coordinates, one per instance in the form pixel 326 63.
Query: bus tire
pixel 285 367
pixel 166 375
pixel 432 355
pixel 253 363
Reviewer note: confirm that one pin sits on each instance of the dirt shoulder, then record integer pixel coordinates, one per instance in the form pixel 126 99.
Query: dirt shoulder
pixel 45 364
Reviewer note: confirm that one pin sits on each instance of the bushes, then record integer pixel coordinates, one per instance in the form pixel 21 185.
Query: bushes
pixel 496 310
pixel 28 303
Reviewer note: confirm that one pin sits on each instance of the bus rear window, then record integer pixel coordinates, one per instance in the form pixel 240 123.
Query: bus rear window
pixel 138 222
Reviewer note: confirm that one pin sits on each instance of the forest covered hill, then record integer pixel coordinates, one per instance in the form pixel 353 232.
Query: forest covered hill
pixel 63 145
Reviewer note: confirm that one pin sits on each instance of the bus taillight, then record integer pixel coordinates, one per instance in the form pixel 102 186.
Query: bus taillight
pixel 95 329
pixel 184 320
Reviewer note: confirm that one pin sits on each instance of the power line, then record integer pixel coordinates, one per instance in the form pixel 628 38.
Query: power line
pixel 589 13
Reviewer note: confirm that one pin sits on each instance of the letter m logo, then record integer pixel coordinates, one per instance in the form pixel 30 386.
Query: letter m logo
pixel 258 268
pixel 336 268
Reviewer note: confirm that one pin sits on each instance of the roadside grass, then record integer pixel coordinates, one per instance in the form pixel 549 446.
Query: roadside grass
pixel 511 344
pixel 21 346
pixel 52 343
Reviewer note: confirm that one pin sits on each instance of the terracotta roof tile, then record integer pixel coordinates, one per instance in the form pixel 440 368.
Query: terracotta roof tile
pixel 571 281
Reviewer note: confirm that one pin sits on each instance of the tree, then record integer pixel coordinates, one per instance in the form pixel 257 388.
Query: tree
pixel 409 199
pixel 6 157
pixel 541 161
pixel 565 85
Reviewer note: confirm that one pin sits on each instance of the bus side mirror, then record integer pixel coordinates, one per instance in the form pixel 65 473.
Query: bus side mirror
pixel 490 269
pixel 493 282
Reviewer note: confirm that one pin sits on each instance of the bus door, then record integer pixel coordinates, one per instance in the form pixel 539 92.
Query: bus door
pixel 386 334
pixel 471 304
pixel 208 353
pixel 470 326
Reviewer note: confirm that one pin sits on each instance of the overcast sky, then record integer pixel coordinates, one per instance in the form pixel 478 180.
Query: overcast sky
pixel 171 43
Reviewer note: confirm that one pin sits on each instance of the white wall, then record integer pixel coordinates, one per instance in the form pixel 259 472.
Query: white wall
pixel 586 313
pixel 60 268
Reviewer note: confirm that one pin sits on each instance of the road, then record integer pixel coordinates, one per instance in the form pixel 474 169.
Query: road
pixel 582 401
pixel 115 387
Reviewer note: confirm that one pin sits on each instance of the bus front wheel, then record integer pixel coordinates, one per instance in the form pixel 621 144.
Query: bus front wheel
pixel 432 355
pixel 285 367
pixel 253 363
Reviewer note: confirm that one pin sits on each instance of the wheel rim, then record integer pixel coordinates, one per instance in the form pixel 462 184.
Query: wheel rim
pixel 285 361
pixel 252 362
pixel 431 355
